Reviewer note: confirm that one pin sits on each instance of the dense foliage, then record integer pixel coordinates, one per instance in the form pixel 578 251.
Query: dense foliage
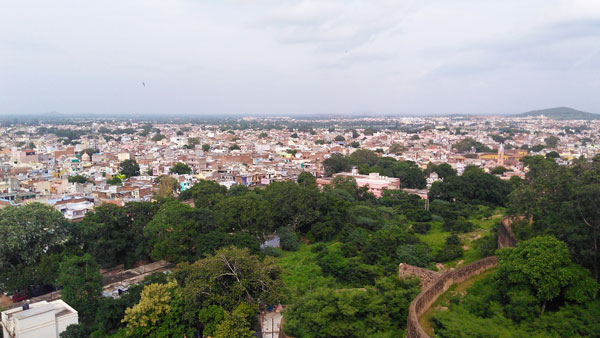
pixel 345 281
pixel 29 233
pixel 129 168
pixel 561 201
pixel 468 144
pixel 181 168
pixel 474 186
pixel 376 311
pixel 411 176
pixel 537 291
pixel 77 179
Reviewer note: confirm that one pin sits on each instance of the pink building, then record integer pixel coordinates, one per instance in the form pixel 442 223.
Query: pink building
pixel 374 182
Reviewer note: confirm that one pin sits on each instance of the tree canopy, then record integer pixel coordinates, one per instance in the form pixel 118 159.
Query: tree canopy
pixel 129 168
pixel 28 233
pixel 543 266
pixel 82 285
pixel 181 168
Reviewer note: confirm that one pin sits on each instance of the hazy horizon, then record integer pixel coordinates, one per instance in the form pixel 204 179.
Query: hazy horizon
pixel 298 58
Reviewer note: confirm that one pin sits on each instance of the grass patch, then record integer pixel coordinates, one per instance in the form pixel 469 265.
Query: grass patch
pixel 444 299
pixel 436 237
pixel 301 273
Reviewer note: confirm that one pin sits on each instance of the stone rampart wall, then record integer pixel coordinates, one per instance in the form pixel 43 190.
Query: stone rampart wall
pixel 506 238
pixel 427 276
pixel 427 297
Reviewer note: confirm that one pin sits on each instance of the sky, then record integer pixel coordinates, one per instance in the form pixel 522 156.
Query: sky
pixel 267 57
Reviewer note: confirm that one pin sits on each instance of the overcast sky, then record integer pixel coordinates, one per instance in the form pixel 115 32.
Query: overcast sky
pixel 287 57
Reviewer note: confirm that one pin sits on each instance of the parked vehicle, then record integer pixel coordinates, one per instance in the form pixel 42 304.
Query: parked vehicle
pixel 39 290
pixel 18 297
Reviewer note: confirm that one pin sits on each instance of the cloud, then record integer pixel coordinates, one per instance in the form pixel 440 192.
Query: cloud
pixel 298 56
pixel 334 26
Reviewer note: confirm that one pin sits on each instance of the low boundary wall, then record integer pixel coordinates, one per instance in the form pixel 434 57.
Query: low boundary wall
pixel 427 297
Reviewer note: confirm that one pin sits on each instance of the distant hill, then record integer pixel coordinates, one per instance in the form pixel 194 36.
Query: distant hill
pixel 561 113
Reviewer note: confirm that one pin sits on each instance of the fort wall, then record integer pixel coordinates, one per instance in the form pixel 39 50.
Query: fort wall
pixel 430 294
pixel 427 297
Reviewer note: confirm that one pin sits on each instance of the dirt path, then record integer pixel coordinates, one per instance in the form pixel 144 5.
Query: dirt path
pixel 5 301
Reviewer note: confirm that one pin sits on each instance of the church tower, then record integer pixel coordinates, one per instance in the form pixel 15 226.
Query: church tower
pixel 501 154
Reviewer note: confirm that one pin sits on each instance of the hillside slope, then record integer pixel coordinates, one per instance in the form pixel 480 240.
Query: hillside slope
pixel 561 113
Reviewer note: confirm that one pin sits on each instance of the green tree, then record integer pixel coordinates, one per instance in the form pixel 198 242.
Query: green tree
pixel 82 285
pixel 114 181
pixel 473 186
pixel 451 250
pixel 111 311
pixel 89 151
pixel 543 266
pixel 364 156
pixel 295 205
pixel 551 141
pixel 75 331
pixel 77 179
pixel 288 239
pixel 306 179
pixel 206 194
pixel 181 168
pixel 158 136
pixel 28 233
pixel 129 168
pixel 227 278
pixel 410 175
pixel 467 144
pixel 167 186
pixel 499 170
pixel 499 138
pixel 104 234
pixel 378 311
pixel 210 317
pixel 588 200
pixel 339 138
pixel 396 148
pixel 249 213
pixel 443 170
pixel 175 230
pixel 336 163
pixel 152 309
pixel 237 324
pixel 549 197
pixel 205 147
pixel 192 142
pixel 234 147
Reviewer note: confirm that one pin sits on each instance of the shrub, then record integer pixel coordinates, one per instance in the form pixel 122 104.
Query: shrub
pixel 271 251
pixel 421 228
pixel 288 239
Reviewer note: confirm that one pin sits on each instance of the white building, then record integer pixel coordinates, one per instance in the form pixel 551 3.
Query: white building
pixel 75 211
pixel 41 319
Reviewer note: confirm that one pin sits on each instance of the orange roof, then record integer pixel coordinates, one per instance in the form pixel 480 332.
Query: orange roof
pixel 115 202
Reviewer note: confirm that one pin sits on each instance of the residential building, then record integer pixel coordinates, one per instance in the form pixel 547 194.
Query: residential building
pixel 38 320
